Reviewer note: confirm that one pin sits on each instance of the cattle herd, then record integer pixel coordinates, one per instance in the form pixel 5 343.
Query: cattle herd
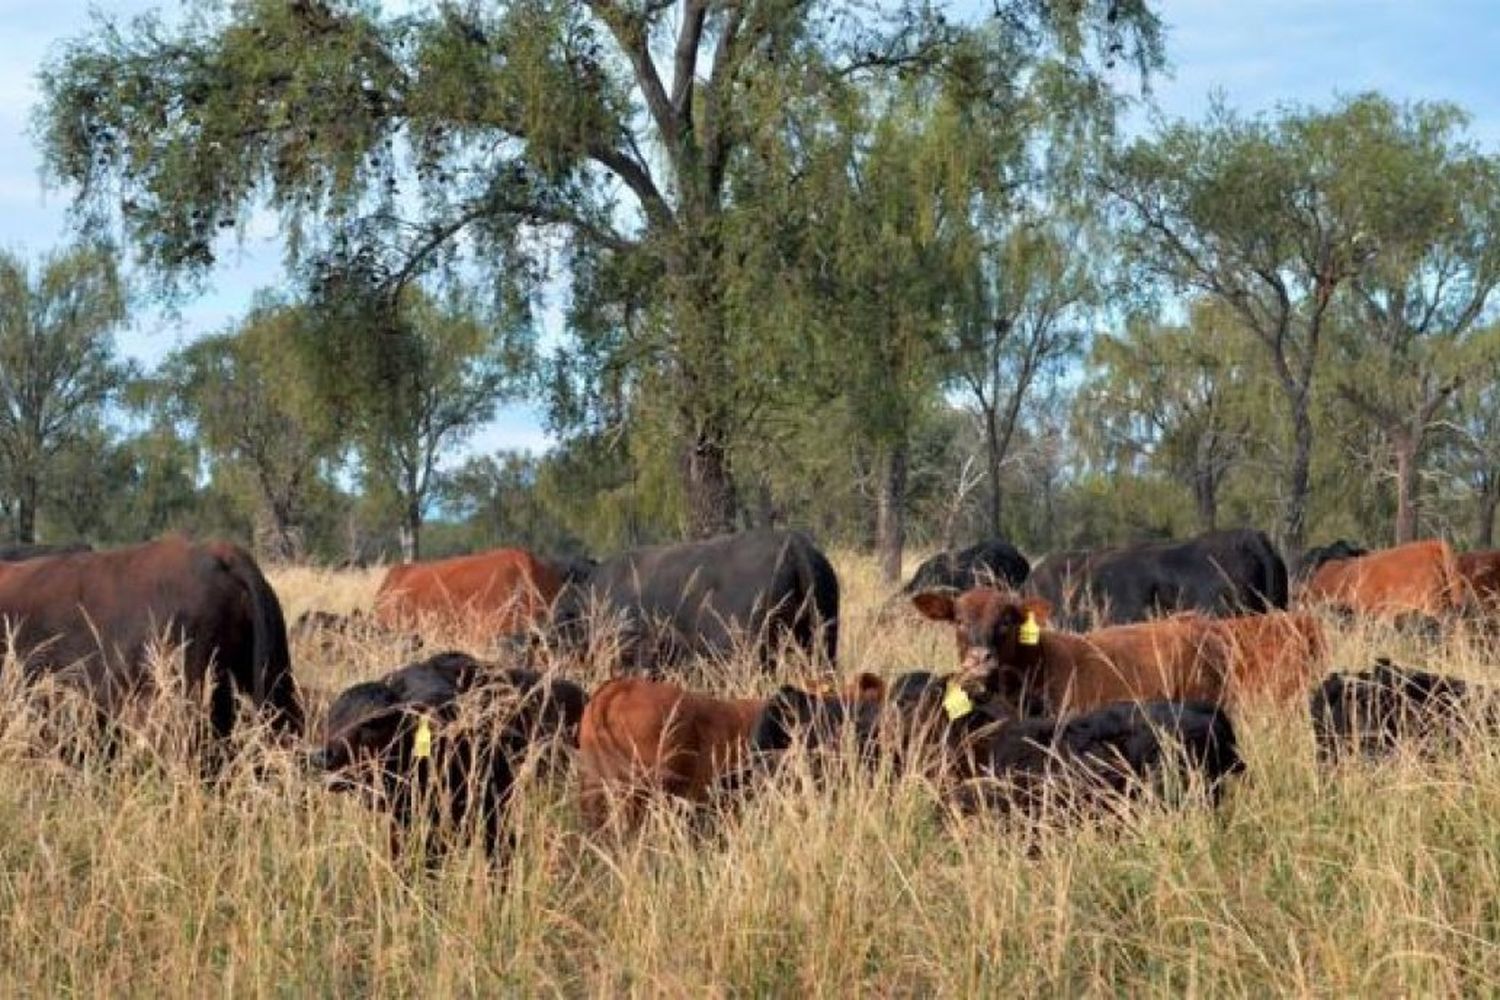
pixel 1092 678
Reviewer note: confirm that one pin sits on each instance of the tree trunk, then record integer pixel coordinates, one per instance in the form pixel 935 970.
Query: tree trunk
pixel 1489 501
pixel 709 485
pixel 890 511
pixel 26 499
pixel 992 469
pixel 1405 447
pixel 1300 480
pixel 765 505
pixel 411 533
pixel 1206 498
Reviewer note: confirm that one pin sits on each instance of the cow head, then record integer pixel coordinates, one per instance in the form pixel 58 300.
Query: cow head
pixel 371 736
pixel 998 636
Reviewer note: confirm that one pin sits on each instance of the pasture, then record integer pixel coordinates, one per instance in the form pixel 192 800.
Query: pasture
pixel 1366 879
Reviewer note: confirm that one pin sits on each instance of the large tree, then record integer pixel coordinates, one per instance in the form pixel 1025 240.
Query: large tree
pixel 892 231
pixel 253 402
pixel 1363 232
pixel 57 364
pixel 408 380
pixel 1429 204
pixel 613 125
pixel 1263 215
pixel 1176 396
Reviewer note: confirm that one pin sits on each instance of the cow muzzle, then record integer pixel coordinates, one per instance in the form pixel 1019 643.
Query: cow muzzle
pixel 976 669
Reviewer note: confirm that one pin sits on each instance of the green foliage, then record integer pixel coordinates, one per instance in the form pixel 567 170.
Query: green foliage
pixel 407 381
pixel 507 126
pixel 1286 220
pixel 253 405
pixel 57 366
pixel 1180 399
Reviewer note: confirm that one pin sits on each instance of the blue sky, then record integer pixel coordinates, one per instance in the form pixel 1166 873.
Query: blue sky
pixel 1257 52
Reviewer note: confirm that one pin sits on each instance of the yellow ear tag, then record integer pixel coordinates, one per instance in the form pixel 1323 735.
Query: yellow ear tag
pixel 1031 632
pixel 422 746
pixel 956 702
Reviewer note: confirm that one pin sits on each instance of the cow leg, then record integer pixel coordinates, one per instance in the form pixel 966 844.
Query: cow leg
pixel 593 801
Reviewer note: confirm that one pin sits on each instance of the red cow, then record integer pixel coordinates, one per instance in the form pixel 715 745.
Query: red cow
pixel 502 591
pixel 1419 578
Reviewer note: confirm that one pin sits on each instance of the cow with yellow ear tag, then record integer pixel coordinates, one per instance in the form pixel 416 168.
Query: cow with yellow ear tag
pixel 436 744
pixel 1008 655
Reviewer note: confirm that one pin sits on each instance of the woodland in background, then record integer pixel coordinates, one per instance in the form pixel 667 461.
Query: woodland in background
pixel 885 273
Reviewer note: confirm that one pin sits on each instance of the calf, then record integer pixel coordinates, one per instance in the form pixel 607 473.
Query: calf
pixel 641 737
pixel 1111 754
pixel 439 742
pixel 1273 658
pixel 1374 713
pixel 1006 654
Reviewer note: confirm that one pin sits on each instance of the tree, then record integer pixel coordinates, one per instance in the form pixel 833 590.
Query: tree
pixel 1429 204
pixel 1022 324
pixel 896 229
pixel 1476 432
pixel 614 126
pixel 1265 216
pixel 497 498
pixel 1173 395
pixel 57 364
pixel 408 383
pixel 253 402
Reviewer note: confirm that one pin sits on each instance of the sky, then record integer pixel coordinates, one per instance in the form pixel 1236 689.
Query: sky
pixel 1257 53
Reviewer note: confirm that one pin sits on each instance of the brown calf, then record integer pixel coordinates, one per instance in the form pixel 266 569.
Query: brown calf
pixel 1274 658
pixel 641 737
pixel 1005 654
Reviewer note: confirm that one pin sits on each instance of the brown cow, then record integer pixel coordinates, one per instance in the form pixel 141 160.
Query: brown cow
pixel 90 619
pixel 1480 572
pixel 1273 658
pixel 503 591
pixel 641 737
pixel 1185 658
pixel 1420 578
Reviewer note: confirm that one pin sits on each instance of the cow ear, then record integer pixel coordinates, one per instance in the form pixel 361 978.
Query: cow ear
pixel 937 605
pixel 1040 607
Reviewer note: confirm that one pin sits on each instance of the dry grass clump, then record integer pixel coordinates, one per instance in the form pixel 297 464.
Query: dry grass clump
pixel 135 877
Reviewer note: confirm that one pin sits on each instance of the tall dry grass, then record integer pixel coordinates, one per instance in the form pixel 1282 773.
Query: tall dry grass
pixel 136 878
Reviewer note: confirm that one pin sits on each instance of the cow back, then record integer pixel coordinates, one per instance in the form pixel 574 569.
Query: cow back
pixel 504 591
pixel 674 602
pixel 1417 578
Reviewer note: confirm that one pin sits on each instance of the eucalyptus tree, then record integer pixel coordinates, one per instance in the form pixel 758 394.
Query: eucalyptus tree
pixel 58 366
pixel 463 136
pixel 1032 287
pixel 1364 231
pixel 1178 396
pixel 1429 203
pixel 253 402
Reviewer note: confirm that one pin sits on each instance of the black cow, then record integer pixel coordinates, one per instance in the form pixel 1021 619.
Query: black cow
pixel 441 740
pixel 574 569
pixel 21 553
pixel 1333 552
pixel 1218 573
pixel 1375 712
pixel 1112 753
pixel 676 602
pixel 990 563
pixel 793 717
